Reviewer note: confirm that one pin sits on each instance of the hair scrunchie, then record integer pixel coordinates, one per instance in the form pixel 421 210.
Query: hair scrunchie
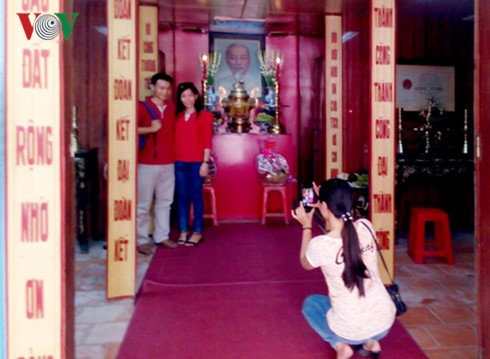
pixel 347 217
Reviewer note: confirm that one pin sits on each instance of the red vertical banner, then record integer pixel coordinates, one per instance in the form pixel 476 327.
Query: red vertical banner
pixel 35 179
pixel 382 134
pixel 148 47
pixel 333 92
pixel 121 201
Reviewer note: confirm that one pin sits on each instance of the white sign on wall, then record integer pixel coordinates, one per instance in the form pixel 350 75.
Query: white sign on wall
pixel 416 84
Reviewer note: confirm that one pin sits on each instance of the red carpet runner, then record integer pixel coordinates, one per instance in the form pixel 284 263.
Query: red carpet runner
pixel 237 295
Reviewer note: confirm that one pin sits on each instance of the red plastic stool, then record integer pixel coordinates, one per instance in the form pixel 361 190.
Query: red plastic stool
pixel 274 188
pixel 208 188
pixel 417 244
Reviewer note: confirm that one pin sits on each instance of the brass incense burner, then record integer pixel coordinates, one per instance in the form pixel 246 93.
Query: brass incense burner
pixel 237 106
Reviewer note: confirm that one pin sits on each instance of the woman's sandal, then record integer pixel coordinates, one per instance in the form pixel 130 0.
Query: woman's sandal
pixel 182 240
pixel 190 243
pixel 359 349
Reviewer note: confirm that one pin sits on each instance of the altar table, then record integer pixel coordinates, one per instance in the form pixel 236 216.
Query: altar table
pixel 237 182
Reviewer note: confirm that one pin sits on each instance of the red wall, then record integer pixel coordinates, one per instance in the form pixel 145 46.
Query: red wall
pixel 288 88
pixel 311 127
pixel 166 45
pixel 182 50
pixel 356 93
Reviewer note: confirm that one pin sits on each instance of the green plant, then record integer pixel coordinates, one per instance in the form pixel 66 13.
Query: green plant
pixel 213 60
pixel 268 66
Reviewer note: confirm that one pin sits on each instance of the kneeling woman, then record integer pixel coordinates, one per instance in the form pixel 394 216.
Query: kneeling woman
pixel 358 310
pixel 193 135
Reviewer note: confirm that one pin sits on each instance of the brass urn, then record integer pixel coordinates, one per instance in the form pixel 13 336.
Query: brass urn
pixel 237 106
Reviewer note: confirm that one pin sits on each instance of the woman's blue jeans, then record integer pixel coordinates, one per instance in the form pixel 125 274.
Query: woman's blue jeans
pixel 189 183
pixel 315 308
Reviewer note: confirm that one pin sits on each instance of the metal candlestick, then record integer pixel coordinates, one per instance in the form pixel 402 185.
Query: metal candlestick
pixel 205 92
pixel 427 128
pixel 74 145
pixel 276 102
pixel 276 128
pixel 400 143
pixel 465 131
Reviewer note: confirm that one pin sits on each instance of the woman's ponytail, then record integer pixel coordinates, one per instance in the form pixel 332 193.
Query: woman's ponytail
pixel 355 270
pixel 338 196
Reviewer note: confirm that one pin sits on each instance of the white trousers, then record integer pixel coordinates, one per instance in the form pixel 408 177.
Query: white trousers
pixel 155 182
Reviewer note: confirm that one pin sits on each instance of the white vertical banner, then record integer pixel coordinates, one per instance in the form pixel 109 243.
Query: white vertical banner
pixel 333 93
pixel 121 201
pixel 35 178
pixel 382 170
pixel 148 47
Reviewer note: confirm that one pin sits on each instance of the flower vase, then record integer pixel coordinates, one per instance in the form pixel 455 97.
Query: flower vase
pixel 211 98
pixel 270 97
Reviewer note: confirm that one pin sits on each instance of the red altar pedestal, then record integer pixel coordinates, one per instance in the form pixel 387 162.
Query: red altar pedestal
pixel 237 184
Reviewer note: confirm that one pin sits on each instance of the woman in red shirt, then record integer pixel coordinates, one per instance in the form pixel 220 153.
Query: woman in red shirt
pixel 193 135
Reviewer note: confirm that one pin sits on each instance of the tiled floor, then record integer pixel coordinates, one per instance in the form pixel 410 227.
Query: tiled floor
pixel 99 324
pixel 441 300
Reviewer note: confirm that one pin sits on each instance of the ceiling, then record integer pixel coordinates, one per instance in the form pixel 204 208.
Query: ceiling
pixel 276 17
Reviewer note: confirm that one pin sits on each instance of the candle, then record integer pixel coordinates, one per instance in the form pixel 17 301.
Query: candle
pixel 278 67
pixel 465 119
pixel 204 67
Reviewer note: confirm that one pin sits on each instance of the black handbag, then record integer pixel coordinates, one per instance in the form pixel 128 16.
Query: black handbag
pixel 392 288
pixel 400 305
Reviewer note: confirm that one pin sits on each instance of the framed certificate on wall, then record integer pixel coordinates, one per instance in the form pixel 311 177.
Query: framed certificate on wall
pixel 416 83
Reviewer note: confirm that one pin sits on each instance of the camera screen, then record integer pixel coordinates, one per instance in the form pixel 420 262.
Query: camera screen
pixel 308 196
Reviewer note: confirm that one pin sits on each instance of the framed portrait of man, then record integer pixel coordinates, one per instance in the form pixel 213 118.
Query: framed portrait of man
pixel 239 61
